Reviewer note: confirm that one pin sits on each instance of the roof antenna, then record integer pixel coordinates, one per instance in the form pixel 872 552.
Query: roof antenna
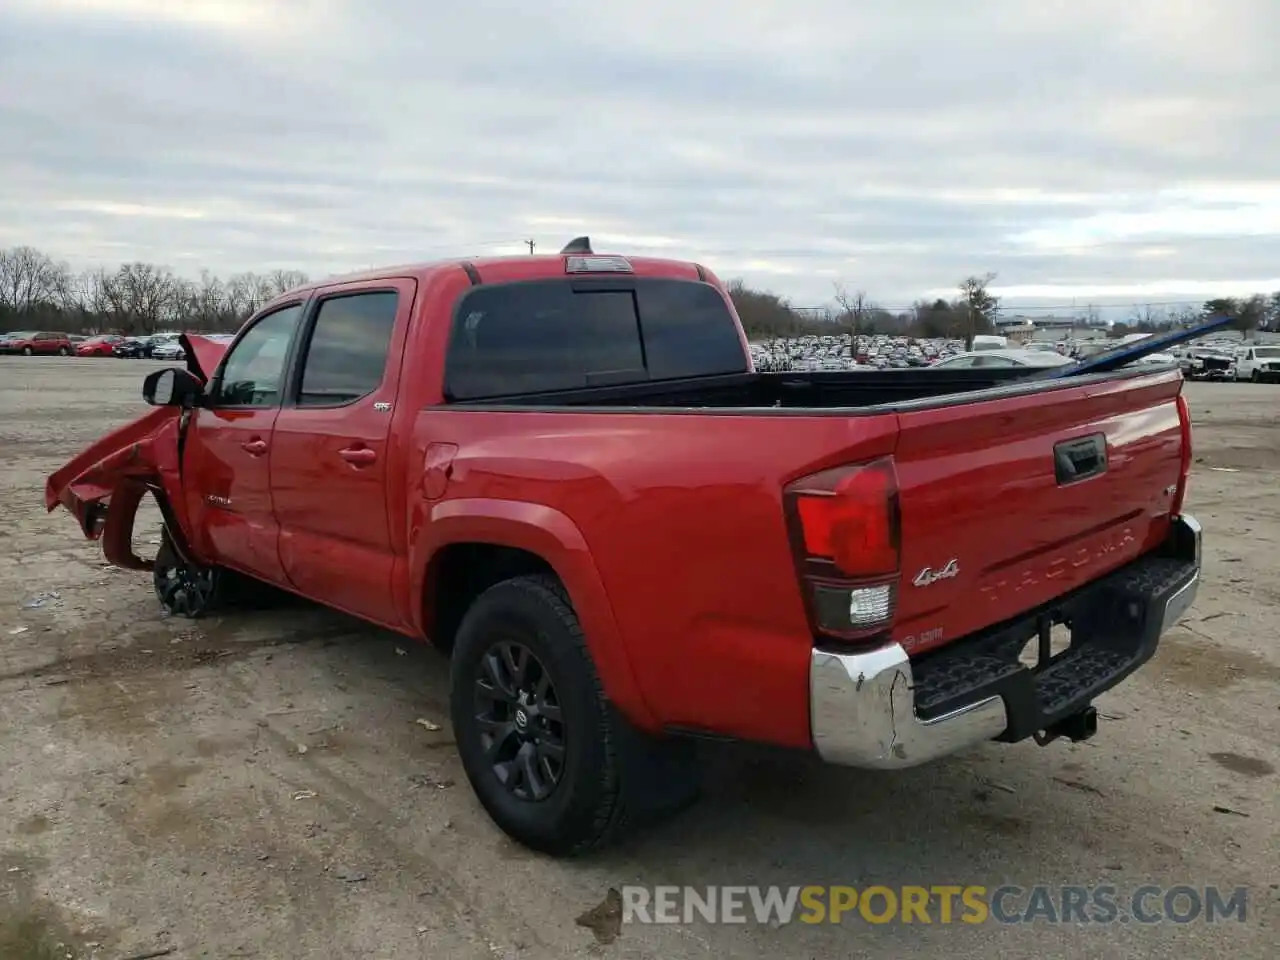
pixel 578 245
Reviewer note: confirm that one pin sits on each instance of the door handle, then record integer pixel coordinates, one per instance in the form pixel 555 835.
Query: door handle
pixel 255 448
pixel 358 456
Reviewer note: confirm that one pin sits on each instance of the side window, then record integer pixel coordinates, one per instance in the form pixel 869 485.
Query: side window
pixel 532 337
pixel 962 363
pixel 992 360
pixel 254 369
pixel 688 330
pixel 347 355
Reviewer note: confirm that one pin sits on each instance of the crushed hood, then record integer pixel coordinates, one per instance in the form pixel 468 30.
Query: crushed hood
pixel 204 352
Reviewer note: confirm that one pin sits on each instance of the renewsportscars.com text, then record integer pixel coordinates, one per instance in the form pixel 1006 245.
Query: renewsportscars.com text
pixel 940 903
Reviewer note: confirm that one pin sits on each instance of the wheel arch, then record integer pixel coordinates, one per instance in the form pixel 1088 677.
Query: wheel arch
pixel 470 544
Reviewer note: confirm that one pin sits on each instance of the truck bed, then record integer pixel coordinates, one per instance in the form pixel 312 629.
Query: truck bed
pixel 801 392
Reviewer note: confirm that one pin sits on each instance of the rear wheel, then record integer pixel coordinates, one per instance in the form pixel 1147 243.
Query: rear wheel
pixel 63 351
pixel 186 588
pixel 27 351
pixel 551 761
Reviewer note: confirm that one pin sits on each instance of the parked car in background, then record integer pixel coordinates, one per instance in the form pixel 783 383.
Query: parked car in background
pixel 31 342
pixel 100 346
pixel 167 349
pixel 133 348
pixel 1208 362
pixel 1257 363
pixel 990 341
pixel 161 340
pixel 1004 358
pixel 1155 359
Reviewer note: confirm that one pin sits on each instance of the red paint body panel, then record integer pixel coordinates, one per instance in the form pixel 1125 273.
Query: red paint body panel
pixel 666 526
pixel 329 489
pixel 228 490
pixel 977 484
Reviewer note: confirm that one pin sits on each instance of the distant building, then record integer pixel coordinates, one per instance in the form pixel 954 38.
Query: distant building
pixel 1046 321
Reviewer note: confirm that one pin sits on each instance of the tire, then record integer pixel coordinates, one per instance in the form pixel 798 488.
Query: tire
pixel 187 589
pixel 1254 377
pixel 594 774
pixel 27 351
pixel 64 352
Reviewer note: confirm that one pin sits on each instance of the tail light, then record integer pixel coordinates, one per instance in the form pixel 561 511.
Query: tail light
pixel 846 534
pixel 1184 419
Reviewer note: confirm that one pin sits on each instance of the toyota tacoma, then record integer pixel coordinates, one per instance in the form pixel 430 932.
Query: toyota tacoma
pixel 564 472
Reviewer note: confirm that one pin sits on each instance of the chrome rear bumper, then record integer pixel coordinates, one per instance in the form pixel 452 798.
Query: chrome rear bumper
pixel 864 709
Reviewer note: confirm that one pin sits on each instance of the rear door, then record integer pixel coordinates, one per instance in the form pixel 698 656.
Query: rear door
pixel 1009 503
pixel 329 448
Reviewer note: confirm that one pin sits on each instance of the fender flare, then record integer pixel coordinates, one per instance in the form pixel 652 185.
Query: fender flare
pixel 549 534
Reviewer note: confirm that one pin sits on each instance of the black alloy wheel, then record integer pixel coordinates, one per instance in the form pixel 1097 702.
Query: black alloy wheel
pixel 521 727
pixel 551 760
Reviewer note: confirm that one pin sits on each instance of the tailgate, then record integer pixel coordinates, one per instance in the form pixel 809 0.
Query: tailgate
pixel 1009 503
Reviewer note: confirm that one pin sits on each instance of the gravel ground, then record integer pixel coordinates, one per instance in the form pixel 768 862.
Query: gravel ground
pixel 281 783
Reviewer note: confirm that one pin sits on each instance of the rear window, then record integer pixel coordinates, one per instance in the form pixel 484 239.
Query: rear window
pixel 546 335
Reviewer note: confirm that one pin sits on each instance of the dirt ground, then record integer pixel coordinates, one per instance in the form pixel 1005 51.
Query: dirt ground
pixel 281 783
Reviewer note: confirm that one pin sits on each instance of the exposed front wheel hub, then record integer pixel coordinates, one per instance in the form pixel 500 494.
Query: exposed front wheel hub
pixel 185 588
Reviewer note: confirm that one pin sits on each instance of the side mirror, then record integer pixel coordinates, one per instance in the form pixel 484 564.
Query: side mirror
pixel 172 387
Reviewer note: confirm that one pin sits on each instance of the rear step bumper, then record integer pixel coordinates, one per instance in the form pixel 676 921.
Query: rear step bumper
pixel 881 709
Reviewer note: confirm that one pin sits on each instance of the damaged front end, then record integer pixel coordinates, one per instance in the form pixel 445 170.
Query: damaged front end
pixel 103 485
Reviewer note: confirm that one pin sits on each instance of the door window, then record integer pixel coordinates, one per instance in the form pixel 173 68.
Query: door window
pixel 347 355
pixel 254 369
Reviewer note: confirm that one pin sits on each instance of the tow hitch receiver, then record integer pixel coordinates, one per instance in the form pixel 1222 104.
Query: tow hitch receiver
pixel 1077 727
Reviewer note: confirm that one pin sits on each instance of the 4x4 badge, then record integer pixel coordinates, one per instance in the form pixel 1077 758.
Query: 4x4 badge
pixel 926 577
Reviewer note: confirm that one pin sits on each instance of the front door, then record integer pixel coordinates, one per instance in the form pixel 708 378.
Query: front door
pixel 228 449
pixel 330 449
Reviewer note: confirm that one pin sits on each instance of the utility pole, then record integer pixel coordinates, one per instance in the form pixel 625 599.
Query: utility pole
pixel 531 244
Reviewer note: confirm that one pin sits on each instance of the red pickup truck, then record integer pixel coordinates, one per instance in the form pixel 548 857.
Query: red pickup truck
pixel 564 471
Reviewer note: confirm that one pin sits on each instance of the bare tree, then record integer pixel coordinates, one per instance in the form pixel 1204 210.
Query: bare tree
pixel 282 281
pixel 978 306
pixel 1273 312
pixel 1250 315
pixel 854 309
pixel 28 278
pixel 140 297
pixel 1147 319
pixel 82 297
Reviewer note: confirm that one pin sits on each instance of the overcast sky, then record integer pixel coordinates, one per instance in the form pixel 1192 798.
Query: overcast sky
pixel 1082 150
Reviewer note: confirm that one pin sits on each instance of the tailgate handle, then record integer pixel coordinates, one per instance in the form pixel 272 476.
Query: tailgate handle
pixel 1075 460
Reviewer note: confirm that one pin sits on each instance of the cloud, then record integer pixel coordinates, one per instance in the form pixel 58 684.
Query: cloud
pixel 1077 149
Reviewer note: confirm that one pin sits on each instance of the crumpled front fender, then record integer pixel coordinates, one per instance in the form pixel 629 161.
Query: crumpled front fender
pixel 102 486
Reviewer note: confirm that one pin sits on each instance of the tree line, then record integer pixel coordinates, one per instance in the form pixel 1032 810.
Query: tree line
pixel 38 292
pixel 974 311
